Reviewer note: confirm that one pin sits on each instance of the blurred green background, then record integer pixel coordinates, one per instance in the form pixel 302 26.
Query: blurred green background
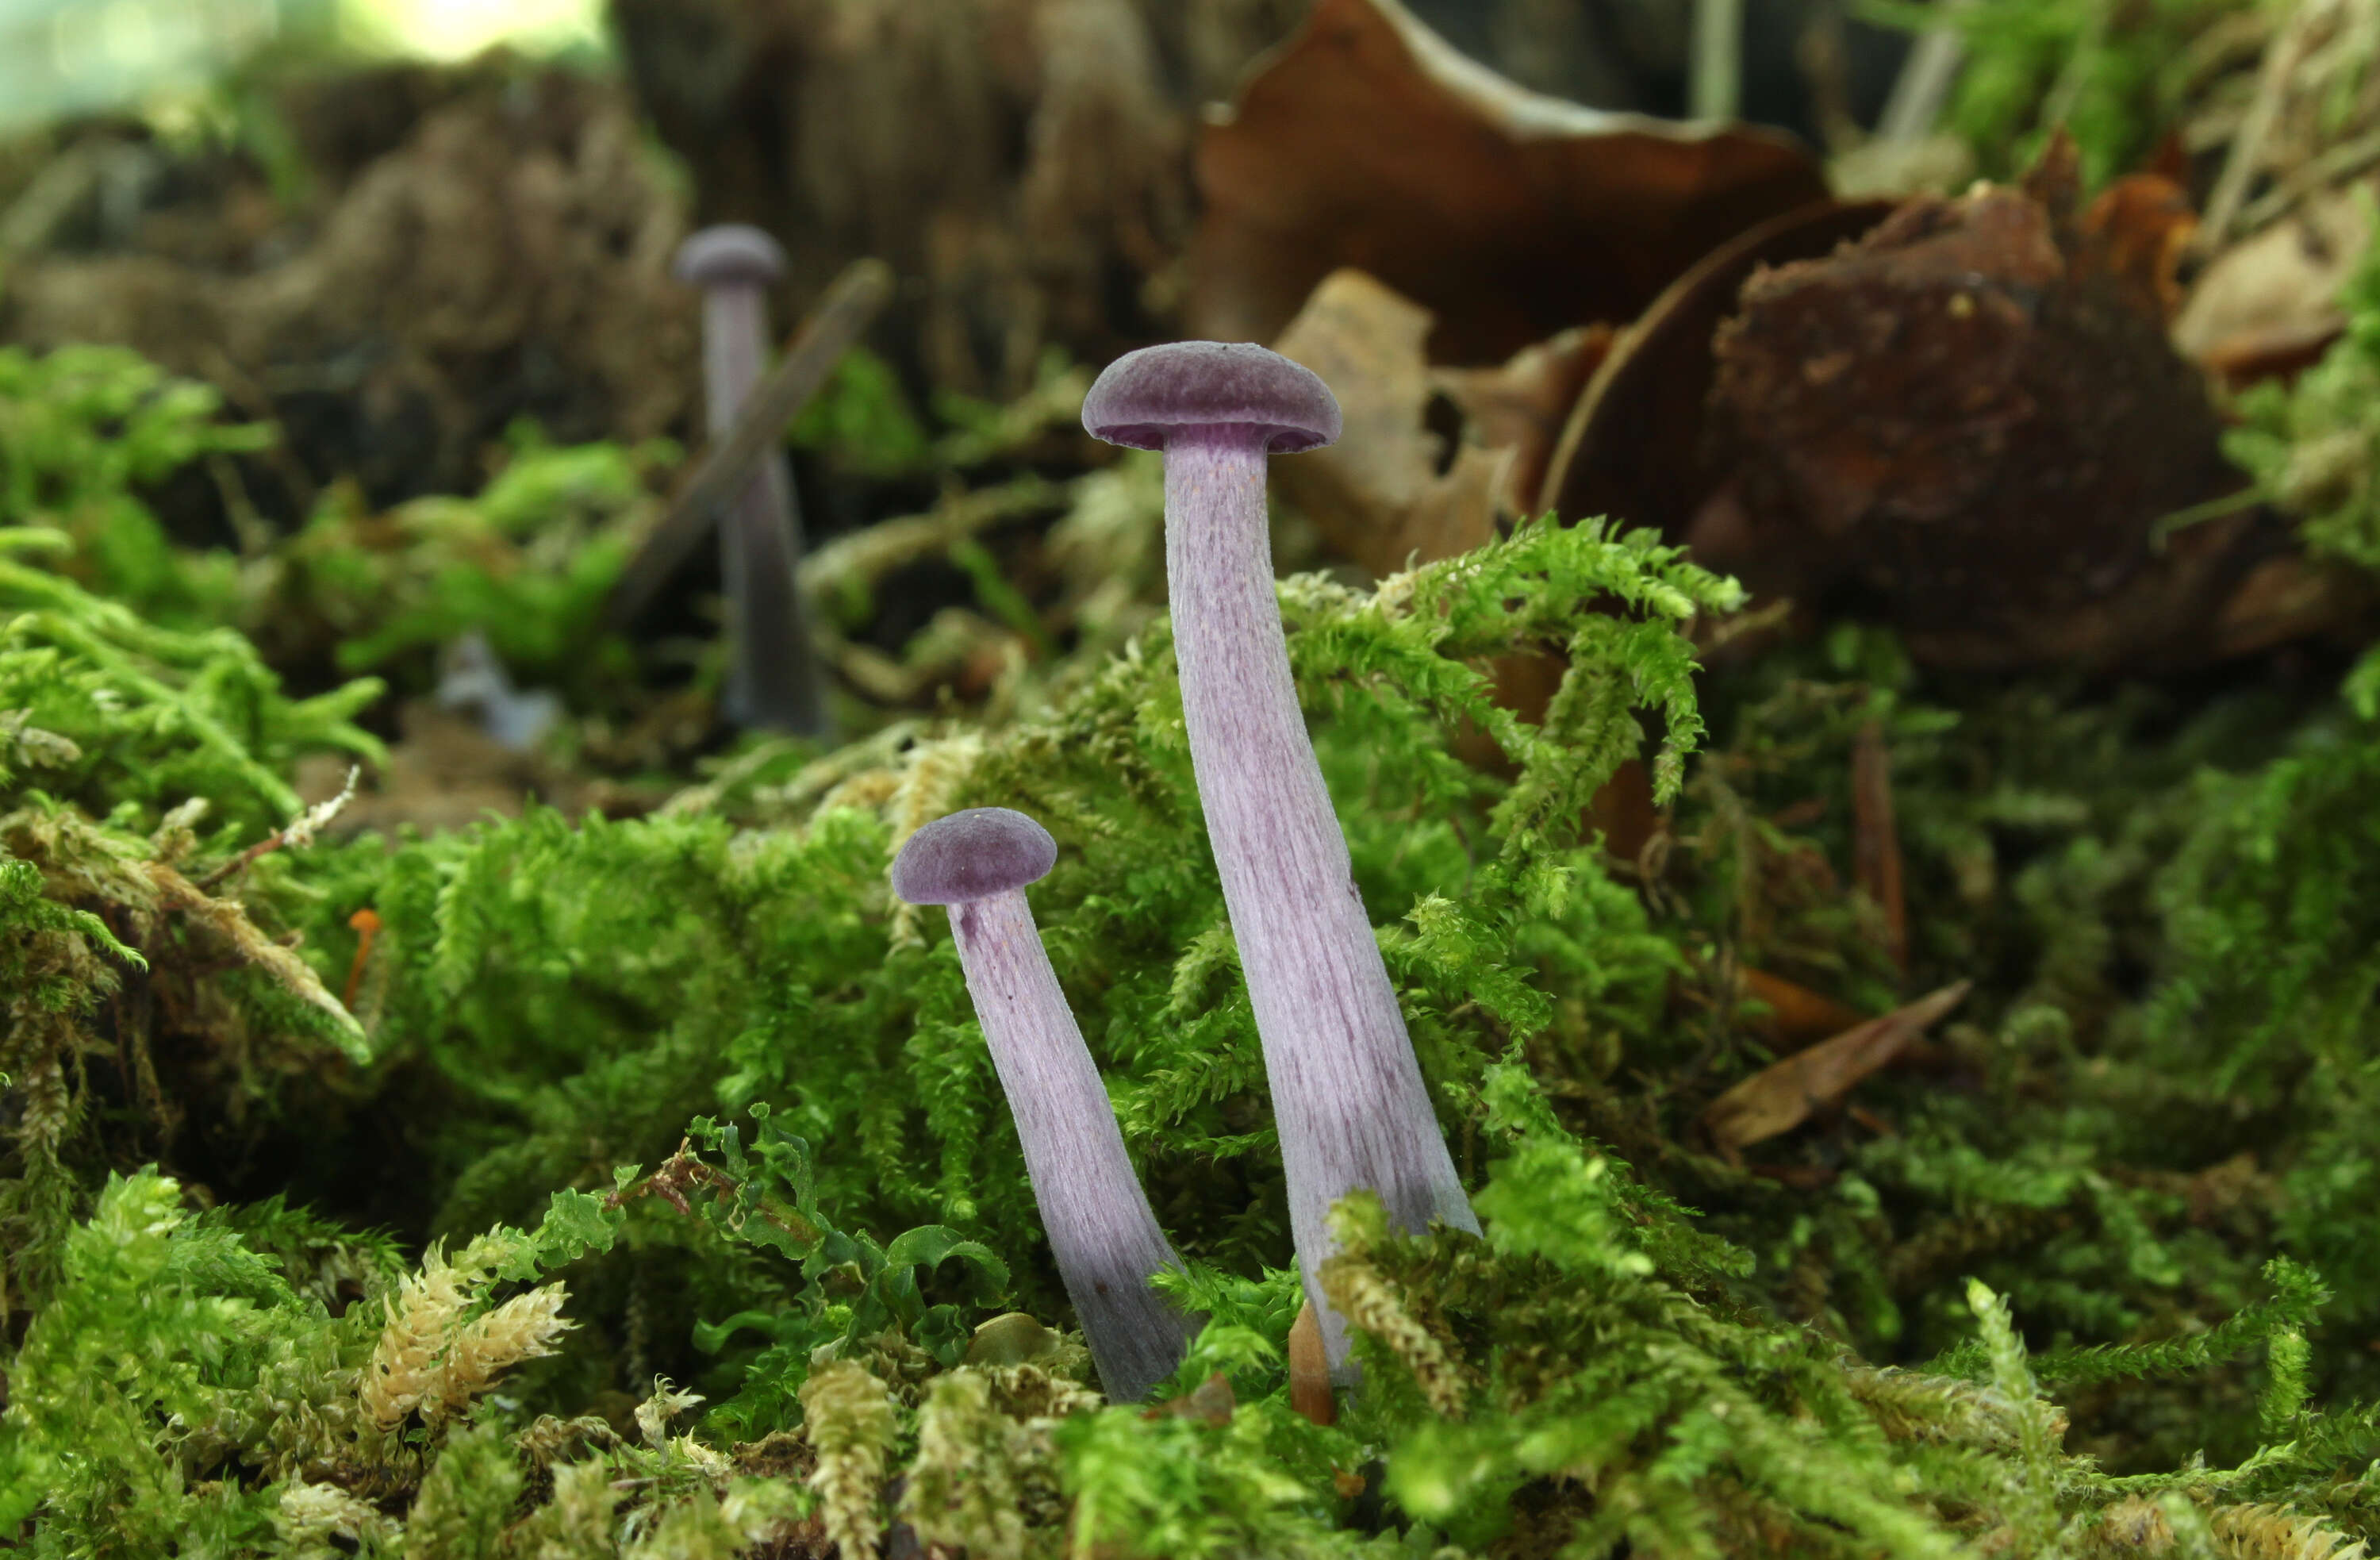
pixel 60 56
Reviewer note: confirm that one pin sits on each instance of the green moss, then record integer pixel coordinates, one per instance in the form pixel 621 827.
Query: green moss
pixel 83 432
pixel 2112 72
pixel 530 562
pixel 689 1097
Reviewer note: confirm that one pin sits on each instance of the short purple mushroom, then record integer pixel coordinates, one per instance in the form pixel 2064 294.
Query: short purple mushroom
pixel 1102 1229
pixel 773 677
pixel 1347 1092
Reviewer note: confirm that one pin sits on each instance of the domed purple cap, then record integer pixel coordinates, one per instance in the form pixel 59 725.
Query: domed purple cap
pixel 973 855
pixel 728 253
pixel 1144 396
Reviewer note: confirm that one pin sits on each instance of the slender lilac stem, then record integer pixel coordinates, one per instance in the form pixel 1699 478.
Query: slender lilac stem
pixel 1102 1229
pixel 1348 1096
pixel 772 677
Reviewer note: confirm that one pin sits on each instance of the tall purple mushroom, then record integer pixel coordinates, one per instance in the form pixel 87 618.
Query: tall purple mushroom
pixel 773 678
pixel 1102 1229
pixel 1347 1092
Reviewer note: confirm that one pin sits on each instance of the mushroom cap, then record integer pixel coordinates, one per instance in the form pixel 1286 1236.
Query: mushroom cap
pixel 972 855
pixel 731 253
pixel 1145 396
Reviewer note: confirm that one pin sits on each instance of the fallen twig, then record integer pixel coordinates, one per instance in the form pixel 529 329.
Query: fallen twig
pixel 300 833
pixel 725 464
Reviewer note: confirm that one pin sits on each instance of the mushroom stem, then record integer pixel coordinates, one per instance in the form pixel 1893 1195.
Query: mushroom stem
pixel 771 679
pixel 1102 1229
pixel 1347 1094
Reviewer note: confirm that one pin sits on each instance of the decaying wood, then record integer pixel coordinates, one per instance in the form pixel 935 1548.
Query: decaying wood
pixel 1631 446
pixel 1973 415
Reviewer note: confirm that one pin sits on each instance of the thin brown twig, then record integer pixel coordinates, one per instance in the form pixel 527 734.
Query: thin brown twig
pixel 1924 82
pixel 725 464
pixel 2282 57
pixel 300 832
pixel 1876 846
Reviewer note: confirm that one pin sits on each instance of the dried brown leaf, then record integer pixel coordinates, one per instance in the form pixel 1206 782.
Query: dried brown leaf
pixel 1367 140
pixel 2269 304
pixel 1780 1096
pixel 1386 494
pixel 1523 403
pixel 1797 1015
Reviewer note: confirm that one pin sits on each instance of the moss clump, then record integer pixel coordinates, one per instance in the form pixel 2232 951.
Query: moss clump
pixel 86 433
pixel 686 1098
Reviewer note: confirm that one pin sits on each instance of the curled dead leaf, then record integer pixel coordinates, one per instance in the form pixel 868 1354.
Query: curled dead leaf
pixel 1367 140
pixel 1390 490
pixel 2269 304
pixel 1522 404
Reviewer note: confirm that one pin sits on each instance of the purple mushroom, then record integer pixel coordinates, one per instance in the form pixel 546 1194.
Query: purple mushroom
pixel 772 678
pixel 1100 1227
pixel 1347 1092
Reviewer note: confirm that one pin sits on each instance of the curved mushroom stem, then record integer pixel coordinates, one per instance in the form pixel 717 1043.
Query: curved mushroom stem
pixel 1347 1094
pixel 771 679
pixel 1102 1231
